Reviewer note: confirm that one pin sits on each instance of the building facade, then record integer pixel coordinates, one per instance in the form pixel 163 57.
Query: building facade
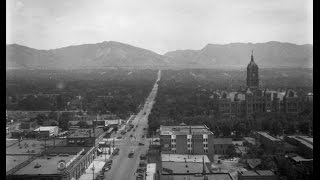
pixel 253 99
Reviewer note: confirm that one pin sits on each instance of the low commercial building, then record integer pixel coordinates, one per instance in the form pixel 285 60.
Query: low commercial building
pixel 257 175
pixel 304 143
pixel 65 163
pixel 269 143
pixel 193 167
pixel 46 131
pixel 221 145
pixel 85 137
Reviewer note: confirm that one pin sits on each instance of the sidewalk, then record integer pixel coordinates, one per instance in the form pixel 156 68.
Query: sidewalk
pixel 98 165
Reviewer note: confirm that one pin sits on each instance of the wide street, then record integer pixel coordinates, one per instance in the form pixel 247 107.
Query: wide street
pixel 123 167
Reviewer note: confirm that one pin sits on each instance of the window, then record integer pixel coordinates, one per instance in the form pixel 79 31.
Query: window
pixel 205 150
pixel 189 140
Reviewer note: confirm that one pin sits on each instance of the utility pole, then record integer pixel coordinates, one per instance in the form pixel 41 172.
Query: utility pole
pixel 105 152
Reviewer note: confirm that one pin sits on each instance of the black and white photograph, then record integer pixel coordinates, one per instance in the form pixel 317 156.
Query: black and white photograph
pixel 159 90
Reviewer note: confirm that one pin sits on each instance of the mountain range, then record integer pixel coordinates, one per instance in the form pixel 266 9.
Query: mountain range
pixel 115 54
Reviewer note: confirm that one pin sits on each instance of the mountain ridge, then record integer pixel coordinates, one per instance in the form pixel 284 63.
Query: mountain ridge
pixel 117 54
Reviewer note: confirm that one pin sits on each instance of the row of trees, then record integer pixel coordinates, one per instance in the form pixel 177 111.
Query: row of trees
pixel 185 96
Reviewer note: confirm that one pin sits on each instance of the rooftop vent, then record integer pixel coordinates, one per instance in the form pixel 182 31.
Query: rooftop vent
pixel 37 166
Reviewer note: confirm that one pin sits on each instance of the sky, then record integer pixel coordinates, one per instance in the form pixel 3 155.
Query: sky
pixel 157 25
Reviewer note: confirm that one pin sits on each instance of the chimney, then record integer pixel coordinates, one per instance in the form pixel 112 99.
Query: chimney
pixel 203 168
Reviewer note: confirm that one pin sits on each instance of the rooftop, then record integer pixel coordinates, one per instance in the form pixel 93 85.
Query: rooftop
pixel 250 140
pixel 71 150
pixel 300 159
pixel 182 167
pixel 184 158
pixel 13 161
pixel 30 146
pixel 305 140
pixel 252 163
pixel 215 176
pixel 257 173
pixel 222 141
pixel 266 135
pixel 80 133
pixel 46 128
pixel 184 130
pixel 48 166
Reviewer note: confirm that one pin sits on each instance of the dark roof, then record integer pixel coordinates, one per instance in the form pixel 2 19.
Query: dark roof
pixel 79 133
pixel 222 141
pixel 71 150
pixel 252 163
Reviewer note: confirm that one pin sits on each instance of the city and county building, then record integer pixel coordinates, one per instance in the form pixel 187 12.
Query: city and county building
pixel 46 131
pixel 257 175
pixel 60 163
pixel 253 99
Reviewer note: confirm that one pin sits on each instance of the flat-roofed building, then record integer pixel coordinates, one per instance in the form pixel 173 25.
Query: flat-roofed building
pixel 221 145
pixel 185 139
pixel 257 175
pixel 46 131
pixel 304 143
pixel 58 163
pixel 269 143
pixel 85 137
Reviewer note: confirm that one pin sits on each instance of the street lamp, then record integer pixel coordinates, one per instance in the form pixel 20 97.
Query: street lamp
pixel 92 171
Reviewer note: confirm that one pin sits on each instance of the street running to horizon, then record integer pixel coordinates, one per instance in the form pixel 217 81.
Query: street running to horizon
pixel 123 167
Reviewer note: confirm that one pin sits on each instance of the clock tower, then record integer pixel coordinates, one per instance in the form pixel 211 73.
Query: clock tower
pixel 252 74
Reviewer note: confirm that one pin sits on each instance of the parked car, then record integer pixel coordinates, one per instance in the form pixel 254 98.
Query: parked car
pixel 131 153
pixel 141 144
pixel 116 151
pixel 140 170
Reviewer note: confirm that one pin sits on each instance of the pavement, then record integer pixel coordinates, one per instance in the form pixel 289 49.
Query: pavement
pixel 98 164
pixel 123 167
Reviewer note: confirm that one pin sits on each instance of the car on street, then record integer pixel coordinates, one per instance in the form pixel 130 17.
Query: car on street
pixel 140 170
pixel 139 175
pixel 143 157
pixel 119 137
pixel 116 151
pixel 142 136
pixel 131 153
pixel 131 135
pixel 141 144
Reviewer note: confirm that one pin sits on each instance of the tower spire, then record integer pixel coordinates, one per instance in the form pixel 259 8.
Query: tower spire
pixel 252 55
